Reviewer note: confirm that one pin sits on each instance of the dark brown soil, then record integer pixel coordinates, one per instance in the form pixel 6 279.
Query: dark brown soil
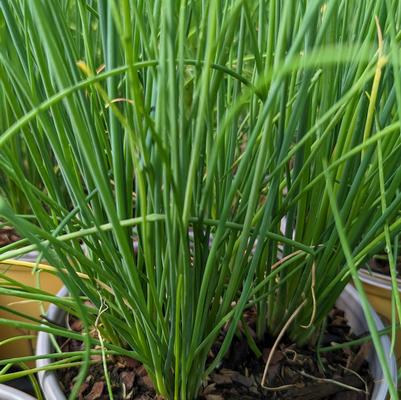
pixel 240 374
pixel 8 236
pixel 381 265
pixel 294 373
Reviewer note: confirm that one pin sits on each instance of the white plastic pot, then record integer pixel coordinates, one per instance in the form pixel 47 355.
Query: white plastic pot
pixel 9 393
pixel 348 301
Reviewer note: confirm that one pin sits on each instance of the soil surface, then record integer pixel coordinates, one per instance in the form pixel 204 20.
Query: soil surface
pixel 294 373
pixel 381 265
pixel 8 236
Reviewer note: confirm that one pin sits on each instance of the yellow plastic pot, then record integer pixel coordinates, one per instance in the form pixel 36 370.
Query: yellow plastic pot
pixel 378 289
pixel 21 271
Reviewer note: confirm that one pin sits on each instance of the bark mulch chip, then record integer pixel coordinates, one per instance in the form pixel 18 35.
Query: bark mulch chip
pixel 8 236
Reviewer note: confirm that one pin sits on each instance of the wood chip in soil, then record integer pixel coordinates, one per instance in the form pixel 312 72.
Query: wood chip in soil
pixel 8 236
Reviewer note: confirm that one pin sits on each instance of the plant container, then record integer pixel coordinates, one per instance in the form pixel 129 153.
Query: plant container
pixel 48 282
pixel 348 301
pixel 378 289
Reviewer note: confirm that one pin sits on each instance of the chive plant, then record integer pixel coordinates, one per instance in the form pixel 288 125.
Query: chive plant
pixel 197 158
pixel 17 153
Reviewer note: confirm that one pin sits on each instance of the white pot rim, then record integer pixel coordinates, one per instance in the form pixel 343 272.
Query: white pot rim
pixel 10 393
